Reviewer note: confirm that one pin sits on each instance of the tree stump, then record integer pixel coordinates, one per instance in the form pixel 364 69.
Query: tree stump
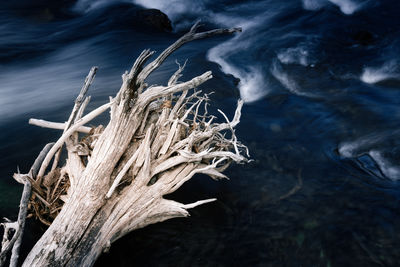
pixel 114 178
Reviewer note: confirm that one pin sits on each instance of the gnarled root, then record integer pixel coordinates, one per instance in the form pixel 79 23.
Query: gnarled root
pixel 115 178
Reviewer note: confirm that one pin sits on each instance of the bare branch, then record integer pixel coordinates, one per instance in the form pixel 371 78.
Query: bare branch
pixel 36 165
pixel 198 203
pixel 82 108
pixel 23 210
pixel 56 125
pixel 18 226
pixel 78 109
pixel 190 36
pixel 67 134
pixel 174 78
pixel 81 97
pixel 160 91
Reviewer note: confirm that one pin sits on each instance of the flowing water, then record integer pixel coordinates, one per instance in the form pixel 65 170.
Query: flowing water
pixel 321 82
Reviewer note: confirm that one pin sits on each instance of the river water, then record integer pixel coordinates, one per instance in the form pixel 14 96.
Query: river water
pixel 321 83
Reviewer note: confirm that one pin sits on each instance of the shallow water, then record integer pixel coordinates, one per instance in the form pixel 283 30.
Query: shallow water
pixel 321 82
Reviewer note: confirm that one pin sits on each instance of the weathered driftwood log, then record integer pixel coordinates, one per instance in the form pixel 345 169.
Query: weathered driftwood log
pixel 14 242
pixel 114 179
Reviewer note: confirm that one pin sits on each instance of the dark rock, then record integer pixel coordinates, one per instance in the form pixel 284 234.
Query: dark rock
pixel 363 37
pixel 154 18
pixel 236 81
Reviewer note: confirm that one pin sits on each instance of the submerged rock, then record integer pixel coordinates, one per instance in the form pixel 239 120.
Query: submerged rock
pixel 363 37
pixel 154 18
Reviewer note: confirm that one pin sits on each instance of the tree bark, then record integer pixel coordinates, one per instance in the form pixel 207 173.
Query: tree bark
pixel 158 137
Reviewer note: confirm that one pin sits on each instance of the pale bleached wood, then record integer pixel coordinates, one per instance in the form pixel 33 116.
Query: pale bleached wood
pixel 169 138
pixel 124 170
pixel 81 97
pixel 19 225
pixel 178 73
pixel 190 36
pixel 23 210
pixel 82 108
pixel 160 91
pixel 80 104
pixel 36 165
pixel 56 125
pixel 156 140
pixel 198 203
pixel 68 133
pixel 7 243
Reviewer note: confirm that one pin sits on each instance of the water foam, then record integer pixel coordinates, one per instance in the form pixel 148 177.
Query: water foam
pixel 368 145
pixel 347 7
pixel 288 82
pixel 252 85
pixel 389 70
pixel 352 149
pixel 284 79
pixel 253 82
pixel 296 55
pixel 390 171
pixel 361 145
pixel 313 5
pixel 173 8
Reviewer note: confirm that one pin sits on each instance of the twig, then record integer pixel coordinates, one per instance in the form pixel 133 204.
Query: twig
pixel 78 108
pixel 81 97
pixel 198 203
pixel 190 36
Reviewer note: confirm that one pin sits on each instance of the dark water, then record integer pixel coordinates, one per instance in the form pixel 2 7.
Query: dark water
pixel 321 81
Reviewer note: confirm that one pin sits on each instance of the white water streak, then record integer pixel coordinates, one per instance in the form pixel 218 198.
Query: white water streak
pixel 252 85
pixel 389 70
pixel 296 55
pixel 367 145
pixel 313 4
pixel 390 171
pixel 347 7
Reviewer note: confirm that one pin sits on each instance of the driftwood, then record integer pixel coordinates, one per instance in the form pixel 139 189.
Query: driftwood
pixel 14 242
pixel 114 178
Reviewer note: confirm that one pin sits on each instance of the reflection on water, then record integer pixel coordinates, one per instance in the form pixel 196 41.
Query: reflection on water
pixel 320 78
